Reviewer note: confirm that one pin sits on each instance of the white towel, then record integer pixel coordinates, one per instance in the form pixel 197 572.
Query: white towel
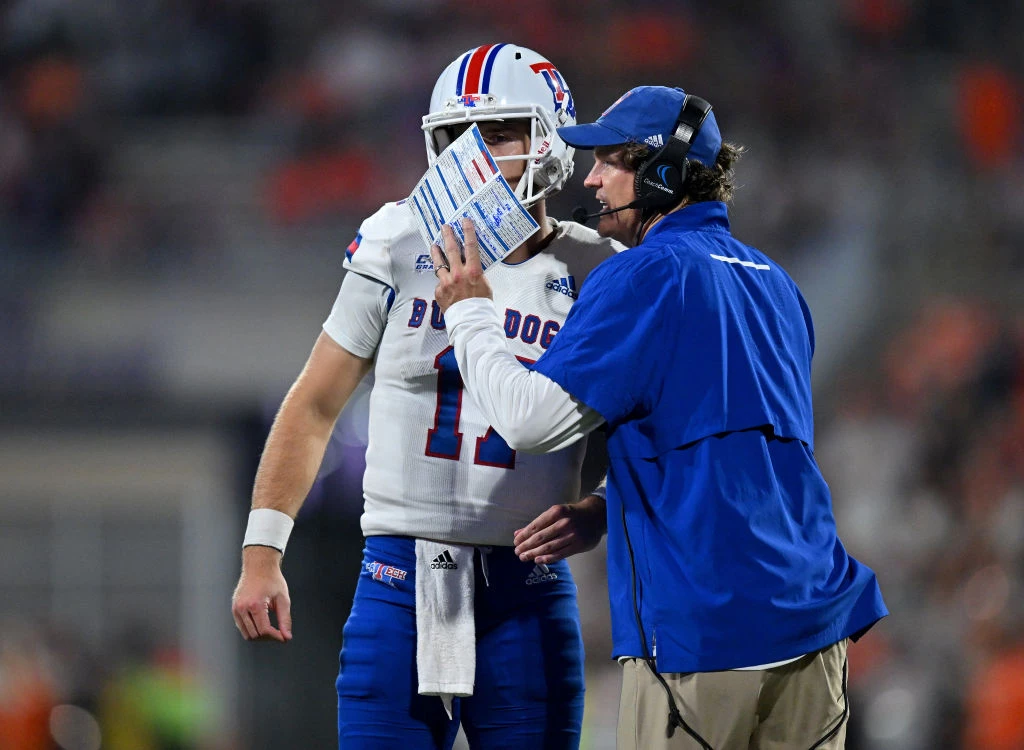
pixel 445 627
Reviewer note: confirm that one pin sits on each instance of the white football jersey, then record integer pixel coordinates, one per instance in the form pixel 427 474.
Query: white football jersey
pixel 434 468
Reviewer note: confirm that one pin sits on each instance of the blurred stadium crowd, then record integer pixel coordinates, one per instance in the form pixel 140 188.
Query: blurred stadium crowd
pixel 179 178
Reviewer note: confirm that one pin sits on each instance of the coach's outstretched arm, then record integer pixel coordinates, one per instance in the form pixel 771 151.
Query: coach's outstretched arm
pixel 287 469
pixel 530 411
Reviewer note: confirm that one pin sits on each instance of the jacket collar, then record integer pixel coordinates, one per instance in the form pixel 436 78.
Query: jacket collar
pixel 706 216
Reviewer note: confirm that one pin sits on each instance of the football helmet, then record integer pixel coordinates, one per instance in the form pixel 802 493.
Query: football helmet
pixel 507 82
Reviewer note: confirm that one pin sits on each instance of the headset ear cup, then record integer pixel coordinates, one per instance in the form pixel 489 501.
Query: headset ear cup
pixel 674 176
pixel 659 183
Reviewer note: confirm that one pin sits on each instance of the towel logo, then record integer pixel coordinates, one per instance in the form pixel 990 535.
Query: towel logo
pixel 540 574
pixel 444 561
pixel 385 573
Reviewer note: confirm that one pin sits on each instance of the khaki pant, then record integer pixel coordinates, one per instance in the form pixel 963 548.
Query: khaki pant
pixel 798 706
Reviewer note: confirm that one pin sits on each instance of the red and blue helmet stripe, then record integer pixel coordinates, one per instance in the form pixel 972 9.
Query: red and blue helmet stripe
pixel 475 70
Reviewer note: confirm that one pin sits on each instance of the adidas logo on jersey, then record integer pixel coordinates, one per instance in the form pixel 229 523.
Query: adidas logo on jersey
pixel 540 574
pixel 565 285
pixel 444 561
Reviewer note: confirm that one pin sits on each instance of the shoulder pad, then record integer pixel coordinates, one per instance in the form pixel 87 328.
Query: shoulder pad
pixel 369 254
pixel 587 236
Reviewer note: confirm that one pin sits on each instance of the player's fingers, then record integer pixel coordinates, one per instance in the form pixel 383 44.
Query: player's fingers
pixel 472 249
pixel 260 615
pixel 247 626
pixel 244 624
pixel 438 259
pixel 283 609
pixel 252 627
pixel 451 248
pixel 240 613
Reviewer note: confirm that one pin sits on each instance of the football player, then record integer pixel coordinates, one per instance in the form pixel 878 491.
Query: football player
pixel 444 494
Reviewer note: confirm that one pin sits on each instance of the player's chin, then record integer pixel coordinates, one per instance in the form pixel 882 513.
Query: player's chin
pixel 513 180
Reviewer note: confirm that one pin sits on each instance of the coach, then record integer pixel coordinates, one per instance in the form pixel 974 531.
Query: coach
pixel 732 598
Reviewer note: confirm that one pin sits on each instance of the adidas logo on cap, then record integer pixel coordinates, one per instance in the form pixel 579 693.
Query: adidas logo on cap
pixel 444 561
pixel 540 574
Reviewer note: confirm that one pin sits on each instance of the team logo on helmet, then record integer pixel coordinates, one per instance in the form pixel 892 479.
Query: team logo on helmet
pixel 559 90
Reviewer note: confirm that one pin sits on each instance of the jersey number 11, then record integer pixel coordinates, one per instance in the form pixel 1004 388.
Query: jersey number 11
pixel 444 439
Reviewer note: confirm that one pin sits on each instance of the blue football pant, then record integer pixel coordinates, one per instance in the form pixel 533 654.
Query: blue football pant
pixel 529 659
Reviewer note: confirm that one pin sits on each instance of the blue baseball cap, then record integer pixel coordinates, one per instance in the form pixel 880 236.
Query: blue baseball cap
pixel 647 115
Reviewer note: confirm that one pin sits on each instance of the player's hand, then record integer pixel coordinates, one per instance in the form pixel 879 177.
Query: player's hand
pixel 261 590
pixel 458 279
pixel 562 530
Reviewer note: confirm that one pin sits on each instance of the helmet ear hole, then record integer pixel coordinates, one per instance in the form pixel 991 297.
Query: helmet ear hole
pixel 442 138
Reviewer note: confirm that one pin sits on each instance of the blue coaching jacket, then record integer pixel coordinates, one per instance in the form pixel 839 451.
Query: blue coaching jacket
pixel 696 350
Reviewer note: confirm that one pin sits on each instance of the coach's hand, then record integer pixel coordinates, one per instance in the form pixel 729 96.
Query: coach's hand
pixel 261 590
pixel 562 530
pixel 458 279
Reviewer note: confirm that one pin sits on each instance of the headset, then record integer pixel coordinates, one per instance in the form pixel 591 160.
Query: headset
pixel 659 180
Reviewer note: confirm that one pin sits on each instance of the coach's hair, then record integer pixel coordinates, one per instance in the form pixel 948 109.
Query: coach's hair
pixel 702 183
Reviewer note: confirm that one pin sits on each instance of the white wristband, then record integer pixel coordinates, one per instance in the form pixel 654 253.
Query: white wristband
pixel 602 489
pixel 269 528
